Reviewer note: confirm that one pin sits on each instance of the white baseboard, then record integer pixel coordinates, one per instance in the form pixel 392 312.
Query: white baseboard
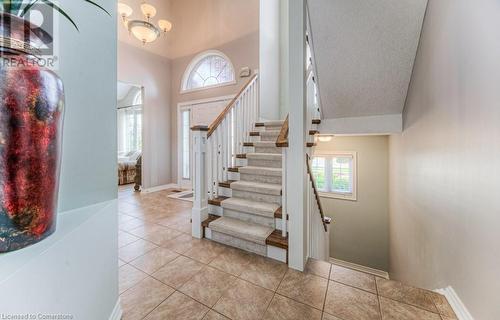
pixel 160 188
pixel 358 267
pixel 117 311
pixel 456 304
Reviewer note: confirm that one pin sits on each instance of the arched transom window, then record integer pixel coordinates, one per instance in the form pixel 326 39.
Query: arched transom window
pixel 208 69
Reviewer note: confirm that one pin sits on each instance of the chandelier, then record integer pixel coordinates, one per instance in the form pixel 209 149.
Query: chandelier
pixel 144 30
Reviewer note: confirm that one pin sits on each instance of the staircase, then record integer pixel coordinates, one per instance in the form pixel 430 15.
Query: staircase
pixel 252 197
pixel 239 178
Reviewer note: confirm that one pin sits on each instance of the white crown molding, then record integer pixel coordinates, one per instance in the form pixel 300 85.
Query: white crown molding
pixel 358 267
pixel 117 311
pixel 456 304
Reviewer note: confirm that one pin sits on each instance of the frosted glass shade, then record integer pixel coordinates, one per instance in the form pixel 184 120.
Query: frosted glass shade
pixel 143 30
pixel 165 25
pixel 325 138
pixel 148 10
pixel 124 10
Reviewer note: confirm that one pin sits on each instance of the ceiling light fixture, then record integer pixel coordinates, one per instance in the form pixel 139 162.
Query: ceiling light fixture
pixel 144 30
pixel 325 138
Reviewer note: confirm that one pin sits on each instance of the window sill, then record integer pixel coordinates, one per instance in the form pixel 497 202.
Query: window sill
pixel 225 84
pixel 350 197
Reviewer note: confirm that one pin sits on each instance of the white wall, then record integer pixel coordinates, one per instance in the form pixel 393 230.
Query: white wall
pixel 140 67
pixel 445 167
pixel 269 54
pixel 72 272
pixel 75 270
pixel 360 233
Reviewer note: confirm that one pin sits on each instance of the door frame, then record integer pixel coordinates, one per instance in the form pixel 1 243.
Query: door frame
pixel 144 153
pixel 188 105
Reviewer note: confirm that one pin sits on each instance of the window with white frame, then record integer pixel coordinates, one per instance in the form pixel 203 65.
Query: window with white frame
pixel 335 175
pixel 207 70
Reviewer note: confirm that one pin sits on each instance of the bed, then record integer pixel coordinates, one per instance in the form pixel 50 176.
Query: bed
pixel 127 167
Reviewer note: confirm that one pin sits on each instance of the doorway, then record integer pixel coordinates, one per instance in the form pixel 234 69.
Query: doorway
pixel 130 135
pixel 194 113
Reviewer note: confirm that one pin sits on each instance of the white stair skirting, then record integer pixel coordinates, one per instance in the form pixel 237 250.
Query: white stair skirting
pixel 358 267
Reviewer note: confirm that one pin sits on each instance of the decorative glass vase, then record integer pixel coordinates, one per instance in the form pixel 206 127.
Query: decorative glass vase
pixel 31 121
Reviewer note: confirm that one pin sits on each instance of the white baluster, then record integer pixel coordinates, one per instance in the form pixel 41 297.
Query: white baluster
pixel 209 170
pixel 199 212
pixel 284 209
pixel 213 146
pixel 224 149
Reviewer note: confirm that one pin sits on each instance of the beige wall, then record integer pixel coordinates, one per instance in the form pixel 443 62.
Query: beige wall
pixel 445 167
pixel 243 52
pixel 360 231
pixel 152 71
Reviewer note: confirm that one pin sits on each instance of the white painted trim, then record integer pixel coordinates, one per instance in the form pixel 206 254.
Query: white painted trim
pixel 337 195
pixel 193 64
pixel 358 267
pixel 207 100
pixel 276 253
pixel 117 311
pixel 456 303
pixel 160 188
pixel 369 125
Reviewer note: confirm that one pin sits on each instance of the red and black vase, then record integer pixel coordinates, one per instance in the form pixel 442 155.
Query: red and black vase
pixel 31 120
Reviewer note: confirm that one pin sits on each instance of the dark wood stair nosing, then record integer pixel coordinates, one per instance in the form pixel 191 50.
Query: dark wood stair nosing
pixel 217 201
pixel 313 132
pixel 211 217
pixel 316 121
pixel 254 133
pixel 226 184
pixel 275 239
pixel 310 144
pixel 248 144
pixel 278 214
pixel 234 169
pixel 241 156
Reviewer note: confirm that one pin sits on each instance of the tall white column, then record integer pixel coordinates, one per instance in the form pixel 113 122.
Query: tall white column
pixel 199 212
pixel 296 167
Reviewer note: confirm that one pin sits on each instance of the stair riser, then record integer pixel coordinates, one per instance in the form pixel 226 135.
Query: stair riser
pixel 268 137
pixel 239 243
pixel 257 196
pixel 248 217
pixel 264 163
pixel 275 150
pixel 259 178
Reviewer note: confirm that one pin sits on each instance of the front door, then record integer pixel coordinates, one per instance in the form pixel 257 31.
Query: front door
pixel 194 114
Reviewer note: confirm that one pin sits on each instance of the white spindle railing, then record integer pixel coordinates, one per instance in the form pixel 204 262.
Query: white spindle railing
pixel 216 147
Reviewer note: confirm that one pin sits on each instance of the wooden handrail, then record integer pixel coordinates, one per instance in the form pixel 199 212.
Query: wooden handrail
pixel 282 140
pixel 228 108
pixel 316 194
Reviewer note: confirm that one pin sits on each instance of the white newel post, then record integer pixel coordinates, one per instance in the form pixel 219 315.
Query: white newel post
pixel 200 201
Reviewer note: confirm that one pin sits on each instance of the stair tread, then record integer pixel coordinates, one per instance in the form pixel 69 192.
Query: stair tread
pixel 264 156
pixel 269 133
pixel 260 208
pixel 270 123
pixel 262 171
pixel 257 187
pixel 264 144
pixel 242 229
pixel 217 201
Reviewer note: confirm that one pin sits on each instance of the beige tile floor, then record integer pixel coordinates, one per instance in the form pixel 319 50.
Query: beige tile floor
pixel 166 274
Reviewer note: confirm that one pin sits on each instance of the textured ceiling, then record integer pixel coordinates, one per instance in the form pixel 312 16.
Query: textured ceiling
pixel 364 52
